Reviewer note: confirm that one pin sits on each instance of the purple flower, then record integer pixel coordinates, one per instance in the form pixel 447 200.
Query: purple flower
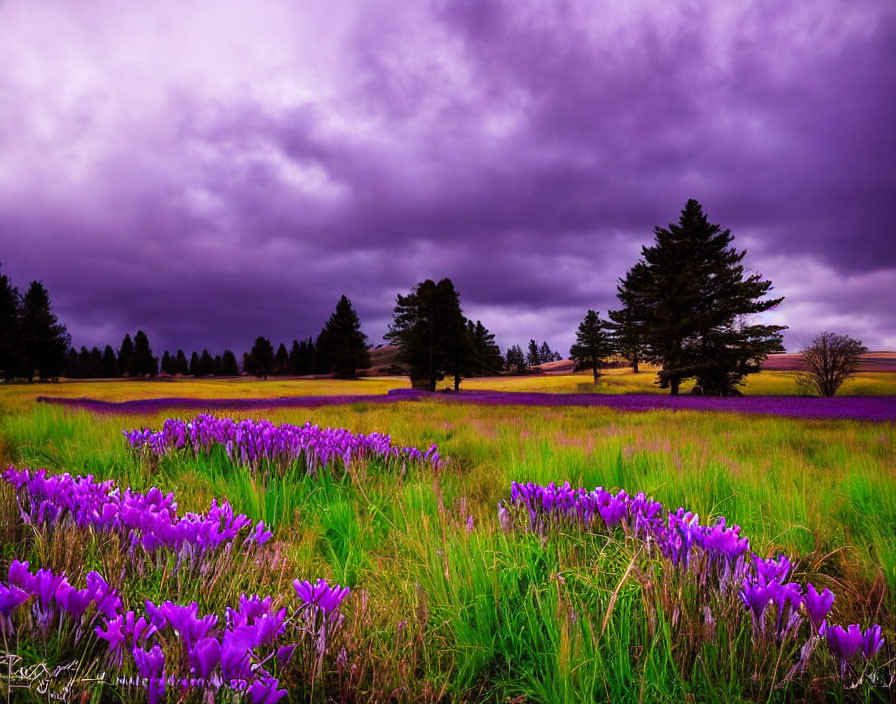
pixel 236 649
pixel 327 597
pixel 204 656
pixel 10 598
pixel 845 644
pixel 756 599
pixel 818 605
pixel 872 641
pixel 264 691
pixel 284 654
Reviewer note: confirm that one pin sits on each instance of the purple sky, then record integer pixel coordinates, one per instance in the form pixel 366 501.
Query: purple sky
pixel 215 170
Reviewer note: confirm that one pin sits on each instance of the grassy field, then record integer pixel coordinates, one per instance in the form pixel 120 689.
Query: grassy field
pixel 450 608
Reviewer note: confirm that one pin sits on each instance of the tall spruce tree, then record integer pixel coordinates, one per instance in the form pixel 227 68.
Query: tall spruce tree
pixel 515 361
pixel 194 367
pixel 689 297
pixel 487 359
pixel 282 367
pixel 45 341
pixel 166 364
pixel 625 326
pixel 228 364
pixel 592 346
pixel 10 330
pixel 428 327
pixel 346 345
pixel 260 361
pixel 533 355
pixel 144 363
pixel 126 356
pixel 206 363
pixel 110 363
pixel 181 365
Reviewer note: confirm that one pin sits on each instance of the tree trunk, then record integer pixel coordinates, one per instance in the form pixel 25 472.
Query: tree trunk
pixel 673 383
pixel 594 369
pixel 456 382
pixel 635 369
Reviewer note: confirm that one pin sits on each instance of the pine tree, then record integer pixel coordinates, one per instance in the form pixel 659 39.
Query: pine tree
pixel 206 364
pixel 592 346
pixel 126 357
pixel 428 327
pixel 110 363
pixel 181 365
pixel 228 364
pixel 260 361
pixel 533 357
pixel 515 360
pixel 45 340
pixel 194 364
pixel 218 365
pixel 487 354
pixel 11 352
pixel 282 366
pixel 144 363
pixel 346 345
pixel 166 365
pixel 688 297
pixel 625 326
pixel 545 353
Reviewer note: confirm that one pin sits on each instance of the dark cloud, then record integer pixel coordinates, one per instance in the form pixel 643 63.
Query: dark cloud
pixel 218 171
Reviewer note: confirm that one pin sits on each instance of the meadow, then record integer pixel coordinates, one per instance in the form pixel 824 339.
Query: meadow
pixel 450 602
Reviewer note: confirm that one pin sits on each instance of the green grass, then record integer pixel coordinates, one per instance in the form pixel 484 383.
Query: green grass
pixel 489 617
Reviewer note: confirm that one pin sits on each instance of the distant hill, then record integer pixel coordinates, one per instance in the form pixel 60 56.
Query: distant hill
pixel 869 362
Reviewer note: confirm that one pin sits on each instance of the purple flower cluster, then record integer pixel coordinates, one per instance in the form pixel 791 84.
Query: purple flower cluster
pixel 149 520
pixel 55 603
pixel 174 646
pixel 778 607
pixel 252 443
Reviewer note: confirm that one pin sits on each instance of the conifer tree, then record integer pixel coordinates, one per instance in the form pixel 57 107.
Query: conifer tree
pixel 206 365
pixel 429 328
pixel 181 365
pixel 217 365
pixel 194 364
pixel 515 360
pixel 228 364
pixel 690 298
pixel 10 330
pixel 282 366
pixel 166 365
pixel 260 361
pixel 45 341
pixel 592 346
pixel 144 363
pixel 126 356
pixel 533 356
pixel 110 363
pixel 346 344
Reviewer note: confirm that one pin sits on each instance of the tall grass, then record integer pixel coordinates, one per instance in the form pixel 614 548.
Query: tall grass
pixel 446 614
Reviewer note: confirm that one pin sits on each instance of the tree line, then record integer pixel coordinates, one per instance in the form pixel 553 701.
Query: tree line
pixel 686 307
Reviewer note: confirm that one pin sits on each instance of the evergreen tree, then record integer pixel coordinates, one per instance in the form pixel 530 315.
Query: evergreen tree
pixel 322 362
pixel 228 364
pixel 515 360
pixel 11 357
pixel 166 365
pixel 126 357
pixel 218 365
pixel 206 364
pixel 487 359
pixel 180 363
pixel 346 345
pixel 533 356
pixel 96 363
pixel 688 297
pixel 144 363
pixel 593 344
pixel 45 340
pixel 428 327
pixel 301 357
pixel 72 365
pixel 194 364
pixel 625 326
pixel 545 353
pixel 260 361
pixel 282 367
pixel 110 363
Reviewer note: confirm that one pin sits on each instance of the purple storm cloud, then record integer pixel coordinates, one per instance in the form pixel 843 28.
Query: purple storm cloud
pixel 212 171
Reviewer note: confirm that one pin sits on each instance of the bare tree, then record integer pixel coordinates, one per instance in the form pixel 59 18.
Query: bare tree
pixel 827 362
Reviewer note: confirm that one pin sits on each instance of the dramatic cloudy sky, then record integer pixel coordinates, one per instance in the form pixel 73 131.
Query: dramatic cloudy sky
pixel 212 170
